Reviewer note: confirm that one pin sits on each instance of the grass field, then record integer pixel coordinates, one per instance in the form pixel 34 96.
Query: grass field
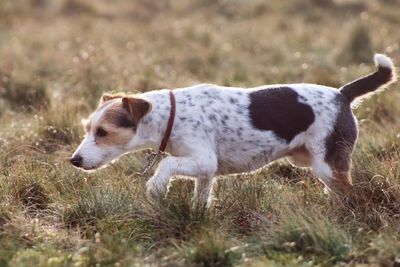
pixel 57 57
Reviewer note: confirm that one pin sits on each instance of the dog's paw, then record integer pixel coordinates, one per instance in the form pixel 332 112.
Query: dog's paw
pixel 155 189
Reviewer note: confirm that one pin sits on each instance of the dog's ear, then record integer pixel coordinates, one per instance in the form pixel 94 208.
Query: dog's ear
pixel 107 97
pixel 136 107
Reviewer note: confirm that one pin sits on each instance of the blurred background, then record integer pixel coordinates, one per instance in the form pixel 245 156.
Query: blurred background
pixel 57 57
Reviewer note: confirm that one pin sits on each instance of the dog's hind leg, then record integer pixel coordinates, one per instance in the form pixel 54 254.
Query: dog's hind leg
pixel 331 153
pixel 322 170
pixel 325 171
pixel 339 147
pixel 334 174
pixel 340 162
pixel 338 181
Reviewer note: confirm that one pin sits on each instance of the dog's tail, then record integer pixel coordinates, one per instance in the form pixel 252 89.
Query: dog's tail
pixel 384 75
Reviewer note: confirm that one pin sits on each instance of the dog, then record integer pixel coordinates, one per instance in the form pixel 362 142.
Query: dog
pixel 224 130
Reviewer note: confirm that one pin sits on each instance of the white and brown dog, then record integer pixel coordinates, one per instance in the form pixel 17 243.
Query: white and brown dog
pixel 223 130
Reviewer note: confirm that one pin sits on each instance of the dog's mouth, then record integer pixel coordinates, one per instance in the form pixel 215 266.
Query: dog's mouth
pixel 91 168
pixel 87 168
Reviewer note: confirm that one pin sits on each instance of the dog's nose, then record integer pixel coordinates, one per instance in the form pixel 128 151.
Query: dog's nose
pixel 76 161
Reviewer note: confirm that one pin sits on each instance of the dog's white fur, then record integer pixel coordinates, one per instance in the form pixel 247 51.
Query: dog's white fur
pixel 384 61
pixel 213 134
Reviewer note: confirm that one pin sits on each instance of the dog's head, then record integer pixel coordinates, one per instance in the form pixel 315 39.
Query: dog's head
pixel 110 130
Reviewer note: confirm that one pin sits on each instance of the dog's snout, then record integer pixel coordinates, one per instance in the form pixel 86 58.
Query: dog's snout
pixel 76 161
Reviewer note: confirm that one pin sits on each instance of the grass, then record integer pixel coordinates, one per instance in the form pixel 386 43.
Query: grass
pixel 59 56
pixel 308 233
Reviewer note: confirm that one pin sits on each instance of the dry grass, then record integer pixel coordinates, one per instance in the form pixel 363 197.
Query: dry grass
pixel 58 57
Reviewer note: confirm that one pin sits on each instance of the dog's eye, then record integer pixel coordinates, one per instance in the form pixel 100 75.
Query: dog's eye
pixel 101 132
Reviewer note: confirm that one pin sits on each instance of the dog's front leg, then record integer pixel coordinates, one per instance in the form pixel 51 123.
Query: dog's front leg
pixel 203 191
pixel 203 167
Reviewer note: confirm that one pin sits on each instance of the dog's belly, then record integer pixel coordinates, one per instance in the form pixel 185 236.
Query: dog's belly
pixel 248 155
pixel 230 166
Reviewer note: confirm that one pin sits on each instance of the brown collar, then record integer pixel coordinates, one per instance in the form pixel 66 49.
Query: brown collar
pixel 170 124
pixel 153 157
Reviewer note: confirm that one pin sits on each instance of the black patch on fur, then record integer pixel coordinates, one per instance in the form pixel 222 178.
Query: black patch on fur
pixel 278 110
pixel 124 121
pixel 340 143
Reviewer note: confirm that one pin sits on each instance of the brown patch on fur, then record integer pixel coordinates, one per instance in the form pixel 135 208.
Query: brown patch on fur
pixel 136 107
pixel 300 156
pixel 108 97
pixel 119 117
pixel 117 123
pixel 115 136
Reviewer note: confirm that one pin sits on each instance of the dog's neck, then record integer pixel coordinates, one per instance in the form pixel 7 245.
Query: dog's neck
pixel 152 126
